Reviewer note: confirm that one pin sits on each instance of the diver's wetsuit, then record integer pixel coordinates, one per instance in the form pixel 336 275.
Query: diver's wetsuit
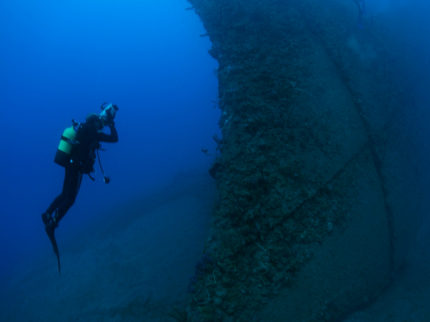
pixel 73 178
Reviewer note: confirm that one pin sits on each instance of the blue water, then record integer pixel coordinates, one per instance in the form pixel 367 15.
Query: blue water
pixel 60 60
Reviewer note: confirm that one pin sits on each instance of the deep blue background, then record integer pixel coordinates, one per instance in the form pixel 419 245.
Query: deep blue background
pixel 59 61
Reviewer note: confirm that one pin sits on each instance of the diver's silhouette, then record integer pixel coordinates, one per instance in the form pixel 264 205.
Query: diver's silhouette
pixel 77 154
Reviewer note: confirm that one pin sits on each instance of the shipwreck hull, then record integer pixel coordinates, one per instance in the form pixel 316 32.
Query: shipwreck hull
pixel 320 175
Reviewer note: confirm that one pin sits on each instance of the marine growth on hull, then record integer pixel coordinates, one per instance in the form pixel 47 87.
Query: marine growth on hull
pixel 312 165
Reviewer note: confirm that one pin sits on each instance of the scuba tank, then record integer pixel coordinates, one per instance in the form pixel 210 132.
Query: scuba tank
pixel 69 144
pixel 63 155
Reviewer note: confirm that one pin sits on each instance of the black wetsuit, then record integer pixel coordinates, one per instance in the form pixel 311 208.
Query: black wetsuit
pixel 73 177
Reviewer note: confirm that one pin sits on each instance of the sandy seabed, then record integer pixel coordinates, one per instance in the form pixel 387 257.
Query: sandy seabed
pixel 134 265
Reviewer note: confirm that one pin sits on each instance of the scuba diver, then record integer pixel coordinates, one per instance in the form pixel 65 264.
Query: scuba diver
pixel 361 12
pixel 76 153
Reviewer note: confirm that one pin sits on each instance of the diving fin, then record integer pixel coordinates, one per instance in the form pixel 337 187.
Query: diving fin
pixel 49 228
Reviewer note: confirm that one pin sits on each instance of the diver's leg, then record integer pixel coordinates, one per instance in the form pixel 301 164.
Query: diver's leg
pixel 46 216
pixel 73 184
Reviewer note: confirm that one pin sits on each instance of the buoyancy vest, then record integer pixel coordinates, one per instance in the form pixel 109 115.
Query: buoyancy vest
pixel 77 147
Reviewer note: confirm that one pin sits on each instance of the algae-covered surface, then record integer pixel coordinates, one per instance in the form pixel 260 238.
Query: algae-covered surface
pixel 316 145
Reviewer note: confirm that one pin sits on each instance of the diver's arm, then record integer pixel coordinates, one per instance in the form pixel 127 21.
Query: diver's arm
pixel 110 138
